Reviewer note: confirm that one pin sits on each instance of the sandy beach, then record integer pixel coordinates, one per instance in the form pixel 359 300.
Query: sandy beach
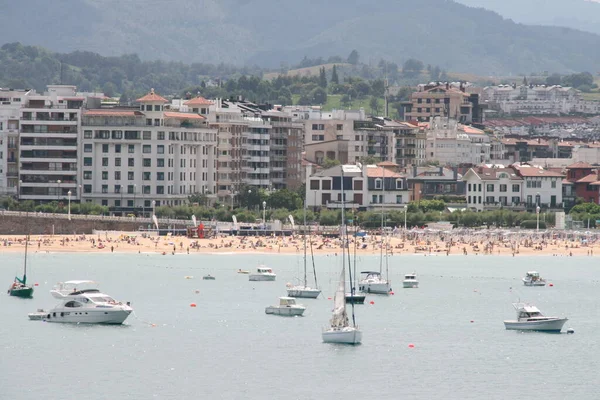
pixel 411 243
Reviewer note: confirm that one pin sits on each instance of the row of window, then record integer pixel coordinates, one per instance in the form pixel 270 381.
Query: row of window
pixel 490 187
pixel 316 184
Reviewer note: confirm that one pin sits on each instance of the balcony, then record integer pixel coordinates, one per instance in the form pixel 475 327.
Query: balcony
pixel 50 118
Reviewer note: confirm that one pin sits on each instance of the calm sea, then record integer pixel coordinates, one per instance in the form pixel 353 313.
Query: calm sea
pixel 227 348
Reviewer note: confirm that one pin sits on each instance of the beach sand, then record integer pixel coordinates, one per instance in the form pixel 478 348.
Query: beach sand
pixel 411 243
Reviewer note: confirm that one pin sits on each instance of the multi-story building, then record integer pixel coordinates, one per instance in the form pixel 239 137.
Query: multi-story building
pixel 49 147
pixel 411 145
pixel 518 187
pixel 134 159
pixel 443 100
pixel 451 143
pixel 429 182
pixel 11 102
pixel 364 187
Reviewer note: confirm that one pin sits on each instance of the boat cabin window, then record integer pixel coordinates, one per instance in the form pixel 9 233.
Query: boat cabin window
pixel 72 304
pixel 101 300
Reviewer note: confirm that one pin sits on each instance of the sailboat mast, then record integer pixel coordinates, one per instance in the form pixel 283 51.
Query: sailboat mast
pixel 305 244
pixel 382 200
pixel 25 262
pixel 345 238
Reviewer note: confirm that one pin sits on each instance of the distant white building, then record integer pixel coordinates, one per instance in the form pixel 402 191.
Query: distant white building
pixel 451 143
pixel 11 102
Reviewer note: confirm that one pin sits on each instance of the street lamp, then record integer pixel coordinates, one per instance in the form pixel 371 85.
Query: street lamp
pixel 69 207
pixel 121 202
pixel 264 212
pixel 153 207
pixel 249 194
pixel 537 211
pixel 232 194
pixel 405 211
pixel 58 190
pixel 315 210
pixel 134 193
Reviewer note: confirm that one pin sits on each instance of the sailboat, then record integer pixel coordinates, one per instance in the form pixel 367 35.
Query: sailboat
pixel 19 287
pixel 340 330
pixel 373 282
pixel 304 291
pixel 353 296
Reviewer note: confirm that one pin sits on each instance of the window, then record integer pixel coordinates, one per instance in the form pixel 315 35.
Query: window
pixel 147 135
pixel 489 187
pixel 503 188
pixel 87 161
pixel 160 149
pixel 326 185
pixel 314 184
pixel 147 149
pixel 117 175
pixel 87 175
pixel 131 148
pixel 160 162
pixel 469 188
pixel 87 134
pixel 161 136
pixel 147 162
pixel 130 175
pixel 105 202
pixel 358 184
pixel 117 203
pixel 117 148
pixel 130 189
pixel 117 135
pixel 398 199
pixel 105 161
pixel 117 188
pixel 490 200
pixel 105 148
pixel 515 200
pixel 104 188
pixel 318 127
pixel 131 162
pixel 378 183
pixel 553 184
pixel 480 188
pixel 318 138
pixel 160 176
pixel 160 190
pixel 515 188
pixel 72 304
pixel 87 148
pixel 339 127
pixel 146 176
pixel 117 162
pixel 146 189
pixel 104 175
pixel 87 188
pixel 374 199
pixel 398 184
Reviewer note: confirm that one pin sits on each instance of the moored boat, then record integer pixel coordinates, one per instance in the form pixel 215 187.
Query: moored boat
pixel 287 307
pixel 410 281
pixel 19 287
pixel 262 274
pixel 530 318
pixel 532 278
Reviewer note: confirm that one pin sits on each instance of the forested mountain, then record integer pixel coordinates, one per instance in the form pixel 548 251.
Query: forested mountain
pixel 266 33
pixel 578 14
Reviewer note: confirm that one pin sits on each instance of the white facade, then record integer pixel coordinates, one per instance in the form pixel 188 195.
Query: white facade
pixel 451 143
pixel 11 102
pixel 135 159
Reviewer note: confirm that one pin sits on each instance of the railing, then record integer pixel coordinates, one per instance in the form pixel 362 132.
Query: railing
pixel 25 118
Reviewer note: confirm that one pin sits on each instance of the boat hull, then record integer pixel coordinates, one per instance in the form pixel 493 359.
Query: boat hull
pixel 303 293
pixel 410 284
pixel 24 293
pixel 208 278
pixel 88 316
pixel 529 283
pixel 261 278
pixel 347 335
pixel 285 311
pixel 550 325
pixel 375 288
pixel 355 299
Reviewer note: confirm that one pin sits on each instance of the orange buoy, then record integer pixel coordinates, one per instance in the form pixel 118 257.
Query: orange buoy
pixel 153 325
pixel 411 346
pixel 371 302
pixel 193 305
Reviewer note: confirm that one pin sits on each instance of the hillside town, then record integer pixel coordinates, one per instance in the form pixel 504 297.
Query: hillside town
pixel 515 147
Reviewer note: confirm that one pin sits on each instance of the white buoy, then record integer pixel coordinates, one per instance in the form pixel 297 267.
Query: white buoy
pixel 570 330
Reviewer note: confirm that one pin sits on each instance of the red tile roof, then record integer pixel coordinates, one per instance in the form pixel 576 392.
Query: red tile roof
pixel 579 165
pixel 493 173
pixel 198 101
pixel 112 113
pixel 588 179
pixel 151 97
pixel 381 172
pixel 533 171
pixel 387 164
pixel 180 115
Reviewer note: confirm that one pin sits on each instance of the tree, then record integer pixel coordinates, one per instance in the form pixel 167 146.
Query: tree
pixel 322 78
pixel 353 58
pixel 374 104
pixel 318 96
pixel 334 75
pixel 198 198
pixel 345 101
pixel 329 163
pixel 554 79
pixel 369 160
pixel 286 199
pixel 412 68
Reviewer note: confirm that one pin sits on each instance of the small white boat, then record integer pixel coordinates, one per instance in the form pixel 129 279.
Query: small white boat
pixel 262 274
pixel 287 307
pixel 532 278
pixel 240 271
pixel 208 277
pixel 374 283
pixel 86 305
pixel 410 281
pixel 39 315
pixel 343 335
pixel 530 318
pixel 303 292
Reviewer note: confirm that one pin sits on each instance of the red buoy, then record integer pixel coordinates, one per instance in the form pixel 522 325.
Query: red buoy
pixel 329 298
pixel 411 346
pixel 392 293
pixel 371 302
pixel 193 305
pixel 551 285
pixel 36 284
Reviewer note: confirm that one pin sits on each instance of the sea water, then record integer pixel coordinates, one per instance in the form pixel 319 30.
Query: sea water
pixel 228 348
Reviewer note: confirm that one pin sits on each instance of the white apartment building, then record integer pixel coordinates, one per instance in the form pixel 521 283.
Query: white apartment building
pixel 451 143
pixel 11 102
pixel 135 159
pixel 48 147
pixel 517 187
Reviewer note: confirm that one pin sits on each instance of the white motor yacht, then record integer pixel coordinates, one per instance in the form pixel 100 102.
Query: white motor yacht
pixel 287 307
pixel 372 282
pixel 532 278
pixel 530 318
pixel 262 274
pixel 410 281
pixel 82 304
pixel 302 291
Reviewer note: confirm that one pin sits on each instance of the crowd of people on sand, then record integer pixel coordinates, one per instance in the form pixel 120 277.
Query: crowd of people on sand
pixel 416 241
